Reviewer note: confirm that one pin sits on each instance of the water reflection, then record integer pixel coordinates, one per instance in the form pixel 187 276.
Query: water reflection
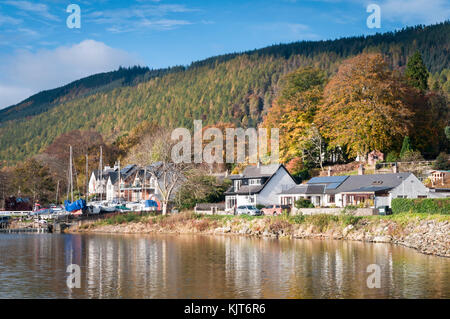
pixel 164 266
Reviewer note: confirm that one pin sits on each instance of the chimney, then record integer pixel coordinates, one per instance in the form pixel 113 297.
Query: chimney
pixel 395 168
pixel 258 164
pixel 329 171
pixel 361 169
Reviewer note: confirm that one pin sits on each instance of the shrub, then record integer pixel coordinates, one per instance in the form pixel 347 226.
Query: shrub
pixel 392 156
pixel 421 205
pixel 350 220
pixel 297 219
pixel 322 221
pixel 442 162
pixel 303 203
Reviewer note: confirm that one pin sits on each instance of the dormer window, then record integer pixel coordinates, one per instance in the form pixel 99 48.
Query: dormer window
pixel 237 184
pixel 254 181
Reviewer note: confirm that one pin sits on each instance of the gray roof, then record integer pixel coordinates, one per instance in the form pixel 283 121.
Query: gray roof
pixel 370 183
pixel 305 189
pixel 254 171
pixel 353 183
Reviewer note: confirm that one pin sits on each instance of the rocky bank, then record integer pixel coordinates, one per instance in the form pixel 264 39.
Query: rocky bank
pixel 428 236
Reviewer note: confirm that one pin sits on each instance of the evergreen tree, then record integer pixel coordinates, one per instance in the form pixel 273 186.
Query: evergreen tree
pixel 406 146
pixel 416 72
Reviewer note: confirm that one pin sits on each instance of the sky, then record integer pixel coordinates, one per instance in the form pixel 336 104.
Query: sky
pixel 38 50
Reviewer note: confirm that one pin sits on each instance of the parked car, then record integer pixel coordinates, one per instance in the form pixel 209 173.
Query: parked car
pixel 274 210
pixel 248 210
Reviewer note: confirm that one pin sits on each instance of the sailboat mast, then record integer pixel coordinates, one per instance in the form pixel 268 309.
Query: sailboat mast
pixel 71 175
pixel 119 181
pixel 87 177
pixel 101 173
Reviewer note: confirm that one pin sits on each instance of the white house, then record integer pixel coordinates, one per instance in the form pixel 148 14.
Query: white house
pixel 372 190
pixel 258 185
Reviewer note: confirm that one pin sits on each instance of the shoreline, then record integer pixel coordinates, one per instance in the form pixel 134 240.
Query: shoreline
pixel 428 235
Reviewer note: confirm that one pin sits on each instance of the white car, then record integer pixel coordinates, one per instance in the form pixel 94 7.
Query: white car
pixel 248 210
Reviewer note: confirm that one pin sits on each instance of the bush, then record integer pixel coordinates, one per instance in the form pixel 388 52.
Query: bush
pixel 303 203
pixel 259 206
pixel 442 162
pixel 421 205
pixel 411 156
pixel 392 156
pixel 322 221
pixel 350 220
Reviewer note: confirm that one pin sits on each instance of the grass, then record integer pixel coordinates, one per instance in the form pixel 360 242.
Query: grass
pixel 284 222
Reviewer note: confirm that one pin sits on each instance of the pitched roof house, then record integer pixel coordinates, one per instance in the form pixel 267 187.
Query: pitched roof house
pixel 258 185
pixel 372 190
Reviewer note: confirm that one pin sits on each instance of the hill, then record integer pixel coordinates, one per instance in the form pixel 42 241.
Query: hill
pixel 237 88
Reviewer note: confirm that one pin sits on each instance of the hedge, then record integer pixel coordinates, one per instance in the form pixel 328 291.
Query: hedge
pixel 421 205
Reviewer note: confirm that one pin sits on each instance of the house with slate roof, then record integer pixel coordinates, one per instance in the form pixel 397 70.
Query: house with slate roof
pixel 371 190
pixel 258 185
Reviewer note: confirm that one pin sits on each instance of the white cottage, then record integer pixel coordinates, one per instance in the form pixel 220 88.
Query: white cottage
pixel 372 190
pixel 258 185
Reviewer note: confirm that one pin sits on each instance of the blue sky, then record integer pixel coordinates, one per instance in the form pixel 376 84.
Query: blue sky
pixel 38 51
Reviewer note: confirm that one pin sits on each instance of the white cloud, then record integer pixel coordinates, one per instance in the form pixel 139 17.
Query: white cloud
pixel 30 72
pixel 7 20
pixel 415 11
pixel 35 8
pixel 140 17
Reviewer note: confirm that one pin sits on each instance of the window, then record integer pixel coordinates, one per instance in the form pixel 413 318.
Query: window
pixel 331 199
pixel 402 196
pixel 422 196
pixel 237 184
pixel 255 181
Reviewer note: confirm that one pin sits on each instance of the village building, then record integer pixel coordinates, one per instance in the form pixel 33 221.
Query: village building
pixel 374 190
pixel 136 183
pixel 258 185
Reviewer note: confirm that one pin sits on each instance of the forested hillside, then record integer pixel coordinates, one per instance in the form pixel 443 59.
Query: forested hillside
pixel 235 88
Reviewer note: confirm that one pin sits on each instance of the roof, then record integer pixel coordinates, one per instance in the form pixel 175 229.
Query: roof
pixel 305 189
pixel 254 171
pixel 370 183
pixel 345 184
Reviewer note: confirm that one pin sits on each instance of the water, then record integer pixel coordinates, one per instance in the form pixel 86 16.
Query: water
pixel 185 266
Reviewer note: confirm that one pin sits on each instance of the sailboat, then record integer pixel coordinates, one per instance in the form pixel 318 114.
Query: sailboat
pixel 73 207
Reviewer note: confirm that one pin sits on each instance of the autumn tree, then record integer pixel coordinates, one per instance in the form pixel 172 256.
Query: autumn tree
pixel 364 106
pixel 155 152
pixel 294 110
pixel 35 180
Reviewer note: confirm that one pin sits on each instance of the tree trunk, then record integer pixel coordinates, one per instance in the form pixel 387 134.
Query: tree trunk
pixel 164 207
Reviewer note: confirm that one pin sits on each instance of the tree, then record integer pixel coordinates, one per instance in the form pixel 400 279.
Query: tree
pixel 447 132
pixel 406 146
pixel 294 109
pixel 314 147
pixel 155 149
pixel 34 179
pixel 416 72
pixel 201 188
pixel 442 162
pixel 364 106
